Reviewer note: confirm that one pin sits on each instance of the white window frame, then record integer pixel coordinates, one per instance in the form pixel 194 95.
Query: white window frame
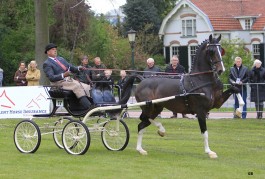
pixel 255 49
pixel 192 52
pixel 174 50
pixel 247 24
pixel 188 27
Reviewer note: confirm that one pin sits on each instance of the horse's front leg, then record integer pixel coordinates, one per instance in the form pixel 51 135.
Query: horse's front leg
pixel 207 149
pixel 203 127
pixel 222 98
pixel 241 104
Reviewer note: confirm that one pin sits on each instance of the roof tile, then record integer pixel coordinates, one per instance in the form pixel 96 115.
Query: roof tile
pixel 222 13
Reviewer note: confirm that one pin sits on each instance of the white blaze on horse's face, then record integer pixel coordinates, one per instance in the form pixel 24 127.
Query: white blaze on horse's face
pixel 220 55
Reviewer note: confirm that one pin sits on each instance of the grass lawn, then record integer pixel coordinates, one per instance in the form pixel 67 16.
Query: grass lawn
pixel 239 144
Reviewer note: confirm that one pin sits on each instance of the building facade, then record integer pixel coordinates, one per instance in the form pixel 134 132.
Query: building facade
pixel 191 22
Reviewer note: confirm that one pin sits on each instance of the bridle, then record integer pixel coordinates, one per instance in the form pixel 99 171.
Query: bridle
pixel 213 63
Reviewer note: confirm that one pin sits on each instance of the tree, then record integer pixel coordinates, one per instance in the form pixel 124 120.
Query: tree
pixel 139 13
pixel 163 6
pixel 234 48
pixel 71 18
pixel 42 34
pixel 16 35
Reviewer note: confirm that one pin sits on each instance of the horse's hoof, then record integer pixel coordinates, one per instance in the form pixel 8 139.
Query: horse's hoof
pixel 162 134
pixel 142 152
pixel 212 155
pixel 238 113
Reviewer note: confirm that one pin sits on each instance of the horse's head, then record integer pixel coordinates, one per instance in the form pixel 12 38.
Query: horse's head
pixel 214 51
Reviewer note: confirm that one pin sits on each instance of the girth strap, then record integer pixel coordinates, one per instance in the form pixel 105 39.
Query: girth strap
pixel 182 84
pixel 191 90
pixel 198 87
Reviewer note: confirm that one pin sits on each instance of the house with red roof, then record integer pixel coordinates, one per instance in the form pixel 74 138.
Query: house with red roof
pixel 190 22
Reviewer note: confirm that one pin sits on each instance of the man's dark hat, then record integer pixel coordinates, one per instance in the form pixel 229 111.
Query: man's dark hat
pixel 50 46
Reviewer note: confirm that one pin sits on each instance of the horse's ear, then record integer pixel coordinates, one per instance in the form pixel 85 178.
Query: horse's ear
pixel 210 38
pixel 219 38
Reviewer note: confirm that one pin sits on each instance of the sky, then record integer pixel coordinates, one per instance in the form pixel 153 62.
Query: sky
pixel 103 6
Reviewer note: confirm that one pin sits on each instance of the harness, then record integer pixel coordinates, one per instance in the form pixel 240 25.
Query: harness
pixel 193 87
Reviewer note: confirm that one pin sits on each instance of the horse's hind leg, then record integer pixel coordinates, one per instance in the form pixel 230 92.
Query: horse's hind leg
pixel 157 110
pixel 141 128
pixel 203 127
pixel 161 130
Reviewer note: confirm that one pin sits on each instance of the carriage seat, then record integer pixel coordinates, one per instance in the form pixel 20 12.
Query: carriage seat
pixel 99 94
pixel 57 92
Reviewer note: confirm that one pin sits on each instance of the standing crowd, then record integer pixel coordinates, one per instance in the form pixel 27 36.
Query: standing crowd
pixel 239 76
pixel 60 73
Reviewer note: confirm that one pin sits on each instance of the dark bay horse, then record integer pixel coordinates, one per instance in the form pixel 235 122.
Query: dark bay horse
pixel 203 79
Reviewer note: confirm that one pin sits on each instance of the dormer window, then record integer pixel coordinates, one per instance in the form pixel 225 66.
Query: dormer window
pixel 247 24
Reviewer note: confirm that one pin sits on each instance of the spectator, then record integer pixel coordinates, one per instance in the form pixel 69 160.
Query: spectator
pixel 1 77
pixel 257 94
pixel 108 78
pixel 20 75
pixel 120 83
pixel 57 69
pixel 98 75
pixel 33 74
pixel 238 76
pixel 85 75
pixel 175 68
pixel 151 69
pixel 123 79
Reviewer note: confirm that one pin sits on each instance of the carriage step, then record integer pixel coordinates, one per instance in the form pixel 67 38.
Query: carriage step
pixel 50 115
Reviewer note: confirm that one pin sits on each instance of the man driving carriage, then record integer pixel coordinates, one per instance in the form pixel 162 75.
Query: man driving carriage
pixel 59 72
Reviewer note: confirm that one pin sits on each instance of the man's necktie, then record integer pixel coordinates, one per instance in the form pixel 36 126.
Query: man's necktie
pixel 61 65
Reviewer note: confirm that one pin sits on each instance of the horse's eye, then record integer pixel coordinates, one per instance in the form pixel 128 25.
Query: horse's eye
pixel 211 51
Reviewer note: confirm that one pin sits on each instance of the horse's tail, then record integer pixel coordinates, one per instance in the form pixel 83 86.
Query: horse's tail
pixel 127 88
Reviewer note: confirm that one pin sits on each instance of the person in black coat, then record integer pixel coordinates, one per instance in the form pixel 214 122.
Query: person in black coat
pixel 123 79
pixel 151 70
pixel 257 94
pixel 176 69
pixel 85 76
pixel 238 77
pixel 174 66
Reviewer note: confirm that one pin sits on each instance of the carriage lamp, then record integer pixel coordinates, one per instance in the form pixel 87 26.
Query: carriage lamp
pixel 131 36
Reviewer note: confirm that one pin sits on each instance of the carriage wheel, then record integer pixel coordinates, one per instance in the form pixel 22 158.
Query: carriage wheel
pixel 58 129
pixel 76 138
pixel 27 136
pixel 115 135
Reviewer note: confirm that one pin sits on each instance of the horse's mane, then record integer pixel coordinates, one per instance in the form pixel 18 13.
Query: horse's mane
pixel 198 50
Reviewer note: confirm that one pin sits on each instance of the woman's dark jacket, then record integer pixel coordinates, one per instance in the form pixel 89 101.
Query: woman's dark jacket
pixel 257 75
